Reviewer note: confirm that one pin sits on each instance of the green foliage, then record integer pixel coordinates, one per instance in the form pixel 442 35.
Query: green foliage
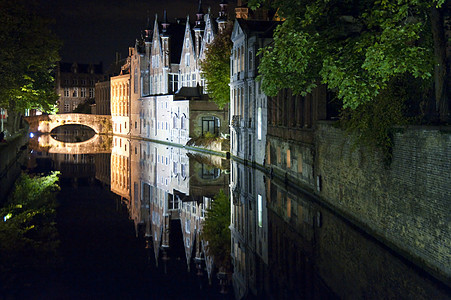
pixel 28 52
pixel 28 236
pixel 373 123
pixel 216 230
pixel 355 47
pixel 376 56
pixel 216 67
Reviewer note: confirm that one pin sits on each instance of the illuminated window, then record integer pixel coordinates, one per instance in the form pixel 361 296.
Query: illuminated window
pixel 260 210
pixel 188 226
pixel 289 207
pixel 183 170
pixel 288 158
pixel 259 124
pixel 182 123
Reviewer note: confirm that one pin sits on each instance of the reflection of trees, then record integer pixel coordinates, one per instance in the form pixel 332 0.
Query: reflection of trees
pixel 28 234
pixel 216 231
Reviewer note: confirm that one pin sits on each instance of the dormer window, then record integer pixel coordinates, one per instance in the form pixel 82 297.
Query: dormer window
pixel 187 59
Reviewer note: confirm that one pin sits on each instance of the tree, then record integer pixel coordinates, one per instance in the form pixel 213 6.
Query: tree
pixel 216 67
pixel 85 106
pixel 216 230
pixel 28 54
pixel 357 48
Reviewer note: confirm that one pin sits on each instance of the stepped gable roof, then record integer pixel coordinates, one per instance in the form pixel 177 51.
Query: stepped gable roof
pixel 265 28
pixel 66 67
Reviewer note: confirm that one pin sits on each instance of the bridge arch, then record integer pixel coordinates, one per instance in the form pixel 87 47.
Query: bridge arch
pixel 96 144
pixel 101 124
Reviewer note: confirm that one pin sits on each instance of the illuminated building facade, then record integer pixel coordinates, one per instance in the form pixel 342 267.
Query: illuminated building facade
pixel 103 98
pixel 120 103
pixel 75 84
pixel 167 101
pixel 248 104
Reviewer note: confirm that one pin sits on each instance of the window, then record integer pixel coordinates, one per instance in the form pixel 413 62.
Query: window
pixel 193 78
pixel 135 81
pixel 91 93
pixel 260 210
pixel 187 59
pixel 75 81
pixel 66 107
pixel 83 81
pixel 155 61
pixel 187 43
pixel 66 92
pixel 183 171
pixel 173 82
pixel 75 92
pixel 182 122
pixel 259 124
pixel 210 124
pixel 83 92
pixel 288 158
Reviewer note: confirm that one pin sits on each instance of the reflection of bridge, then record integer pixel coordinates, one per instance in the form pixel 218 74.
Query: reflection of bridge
pixel 96 144
pixel 46 123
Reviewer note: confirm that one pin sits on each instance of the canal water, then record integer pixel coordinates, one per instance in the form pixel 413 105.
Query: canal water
pixel 131 221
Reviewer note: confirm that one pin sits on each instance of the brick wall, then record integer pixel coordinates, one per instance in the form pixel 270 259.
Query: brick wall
pixel 408 204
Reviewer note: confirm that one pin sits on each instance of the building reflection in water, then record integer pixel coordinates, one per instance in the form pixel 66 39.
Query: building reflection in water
pixel 161 184
pixel 284 244
pixel 287 246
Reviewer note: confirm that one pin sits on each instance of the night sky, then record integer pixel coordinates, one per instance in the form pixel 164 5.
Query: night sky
pixel 93 31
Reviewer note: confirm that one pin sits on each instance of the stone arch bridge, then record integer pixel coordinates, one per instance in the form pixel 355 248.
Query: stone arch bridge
pixel 96 144
pixel 101 124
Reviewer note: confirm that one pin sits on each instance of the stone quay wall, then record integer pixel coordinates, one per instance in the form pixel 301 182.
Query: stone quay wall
pixel 407 205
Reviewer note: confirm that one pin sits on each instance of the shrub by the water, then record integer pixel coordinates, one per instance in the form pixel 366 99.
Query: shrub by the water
pixel 28 234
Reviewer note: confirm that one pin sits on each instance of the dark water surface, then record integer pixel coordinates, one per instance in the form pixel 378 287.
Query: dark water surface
pixel 130 220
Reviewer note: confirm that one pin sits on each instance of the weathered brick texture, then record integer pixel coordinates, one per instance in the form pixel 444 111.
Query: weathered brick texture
pixel 406 204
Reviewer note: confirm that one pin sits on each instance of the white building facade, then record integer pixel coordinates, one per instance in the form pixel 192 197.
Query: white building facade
pixel 248 104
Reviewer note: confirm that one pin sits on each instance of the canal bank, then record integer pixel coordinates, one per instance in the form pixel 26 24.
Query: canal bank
pixel 406 205
pixel 13 158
